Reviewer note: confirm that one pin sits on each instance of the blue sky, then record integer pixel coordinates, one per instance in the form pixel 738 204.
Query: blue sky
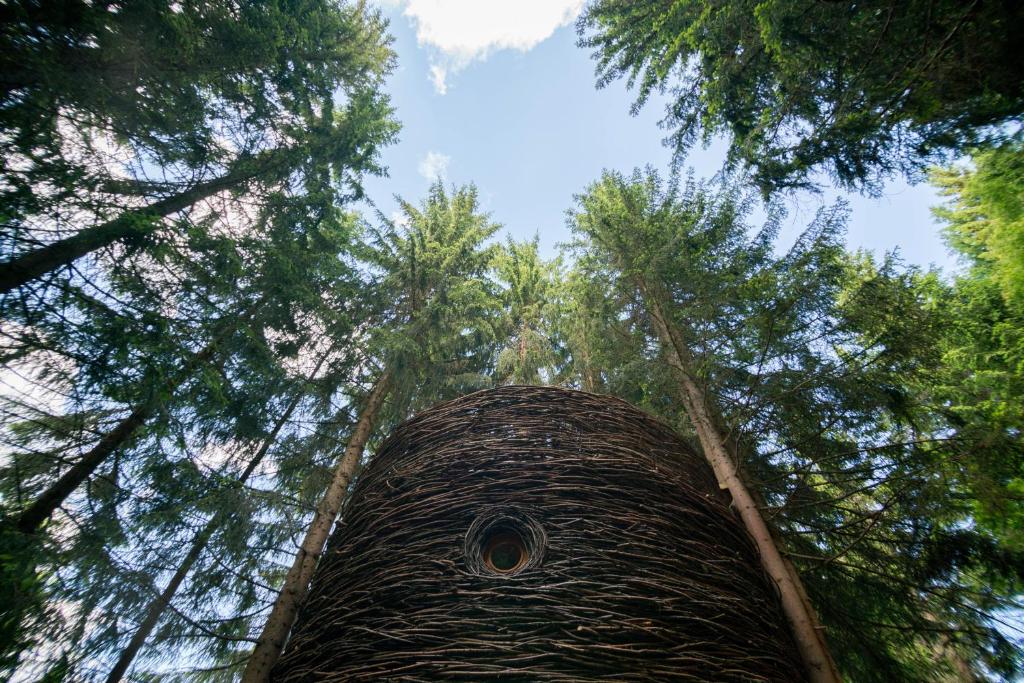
pixel 495 92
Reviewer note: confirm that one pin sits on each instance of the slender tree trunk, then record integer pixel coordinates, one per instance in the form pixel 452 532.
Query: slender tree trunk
pixel 160 604
pixel 590 376
pixel 296 584
pixel 50 499
pixel 522 348
pixel 589 385
pixel 39 511
pixel 157 607
pixel 131 223
pixel 803 621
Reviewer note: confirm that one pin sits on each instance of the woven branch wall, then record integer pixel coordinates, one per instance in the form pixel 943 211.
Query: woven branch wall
pixel 538 534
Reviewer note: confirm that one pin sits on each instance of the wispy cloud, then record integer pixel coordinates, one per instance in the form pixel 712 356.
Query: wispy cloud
pixel 399 219
pixel 458 32
pixel 434 166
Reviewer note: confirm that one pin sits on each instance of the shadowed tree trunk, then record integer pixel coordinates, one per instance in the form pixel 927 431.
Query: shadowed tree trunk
pixel 157 607
pixel 296 584
pixel 50 499
pixel 29 521
pixel 131 223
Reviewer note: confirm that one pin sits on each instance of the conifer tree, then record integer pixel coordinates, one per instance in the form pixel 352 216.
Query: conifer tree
pixel 161 603
pixel 173 183
pixel 145 141
pixel 282 272
pixel 610 214
pixel 982 383
pixel 813 368
pixel 346 140
pixel 529 298
pixel 428 337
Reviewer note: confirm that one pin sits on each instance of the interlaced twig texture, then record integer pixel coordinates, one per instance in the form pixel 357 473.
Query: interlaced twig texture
pixel 623 558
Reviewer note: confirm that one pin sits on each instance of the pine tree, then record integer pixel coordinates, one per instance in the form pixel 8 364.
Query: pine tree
pixel 529 295
pixel 330 142
pixel 173 85
pixel 982 383
pixel 285 271
pixel 610 214
pixel 160 604
pixel 296 583
pixel 174 177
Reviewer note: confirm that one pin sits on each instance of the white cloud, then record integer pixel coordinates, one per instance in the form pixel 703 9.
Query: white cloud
pixel 439 77
pixel 399 219
pixel 434 166
pixel 459 32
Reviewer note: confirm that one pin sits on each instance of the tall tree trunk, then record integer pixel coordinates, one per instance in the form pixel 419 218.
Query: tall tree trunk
pixel 161 602
pixel 803 621
pixel 131 223
pixel 39 511
pixel 296 583
pixel 590 375
pixel 522 350
pixel 49 500
pixel 589 385
pixel 157 607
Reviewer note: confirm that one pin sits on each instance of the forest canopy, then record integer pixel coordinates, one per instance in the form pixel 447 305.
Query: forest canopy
pixel 856 91
pixel 207 328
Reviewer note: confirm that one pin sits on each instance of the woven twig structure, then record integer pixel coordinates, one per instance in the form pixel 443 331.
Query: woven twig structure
pixel 538 534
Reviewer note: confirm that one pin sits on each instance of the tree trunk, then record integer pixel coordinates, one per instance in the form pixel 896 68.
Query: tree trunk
pixel 157 607
pixel 296 584
pixel 49 500
pixel 131 223
pixel 800 613
pixel 522 350
pixel 590 376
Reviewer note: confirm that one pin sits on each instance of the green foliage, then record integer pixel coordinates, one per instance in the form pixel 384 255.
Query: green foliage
pixel 984 221
pixel 166 77
pixel 859 90
pixel 437 330
pixel 208 321
pixel 528 297
pixel 982 384
pixel 875 409
pixel 24 596
pixel 142 136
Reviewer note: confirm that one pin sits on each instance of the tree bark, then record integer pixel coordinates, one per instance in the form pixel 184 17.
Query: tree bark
pixel 131 223
pixel 803 621
pixel 39 511
pixel 296 584
pixel 157 607
pixel 522 347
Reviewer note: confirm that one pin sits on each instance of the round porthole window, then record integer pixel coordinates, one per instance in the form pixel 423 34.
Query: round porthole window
pixel 504 543
pixel 504 552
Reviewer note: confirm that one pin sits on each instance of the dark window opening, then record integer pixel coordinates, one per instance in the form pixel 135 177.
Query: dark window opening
pixel 504 542
pixel 505 552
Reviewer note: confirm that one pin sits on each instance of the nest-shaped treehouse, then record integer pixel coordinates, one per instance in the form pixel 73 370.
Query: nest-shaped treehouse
pixel 539 534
